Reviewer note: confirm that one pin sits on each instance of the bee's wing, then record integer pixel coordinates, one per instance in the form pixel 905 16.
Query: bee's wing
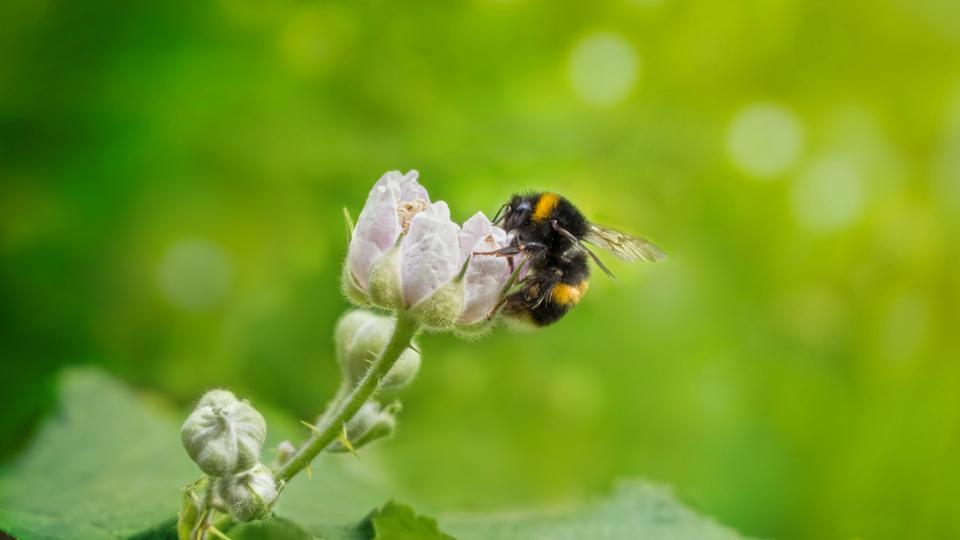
pixel 627 247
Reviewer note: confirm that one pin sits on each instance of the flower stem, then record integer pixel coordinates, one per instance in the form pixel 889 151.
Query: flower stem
pixel 332 426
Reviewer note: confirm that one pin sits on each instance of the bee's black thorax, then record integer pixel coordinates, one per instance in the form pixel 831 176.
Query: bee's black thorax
pixel 557 273
pixel 531 216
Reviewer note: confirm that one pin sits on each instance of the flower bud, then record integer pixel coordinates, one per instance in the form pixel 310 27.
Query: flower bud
pixel 223 435
pixel 248 495
pixel 361 336
pixel 403 371
pixel 285 451
pixel 369 424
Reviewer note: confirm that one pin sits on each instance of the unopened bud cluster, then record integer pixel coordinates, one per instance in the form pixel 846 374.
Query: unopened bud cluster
pixel 224 436
pixel 361 337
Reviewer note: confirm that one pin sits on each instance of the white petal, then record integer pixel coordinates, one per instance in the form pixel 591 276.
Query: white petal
pixel 392 180
pixel 377 229
pixel 429 254
pixel 475 229
pixel 363 253
pixel 438 210
pixel 406 185
pixel 410 189
pixel 486 275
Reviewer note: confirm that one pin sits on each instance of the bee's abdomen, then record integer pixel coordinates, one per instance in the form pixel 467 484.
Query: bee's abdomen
pixel 546 312
pixel 568 295
pixel 542 312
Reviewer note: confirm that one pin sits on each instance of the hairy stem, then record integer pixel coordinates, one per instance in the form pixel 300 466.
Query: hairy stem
pixel 332 426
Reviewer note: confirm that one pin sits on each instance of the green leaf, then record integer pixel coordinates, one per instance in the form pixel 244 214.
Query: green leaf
pixel 635 510
pixel 396 521
pixel 270 529
pixel 104 465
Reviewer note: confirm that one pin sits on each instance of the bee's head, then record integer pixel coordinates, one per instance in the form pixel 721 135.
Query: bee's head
pixel 515 213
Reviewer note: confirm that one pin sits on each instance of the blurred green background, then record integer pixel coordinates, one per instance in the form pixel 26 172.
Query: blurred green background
pixel 173 175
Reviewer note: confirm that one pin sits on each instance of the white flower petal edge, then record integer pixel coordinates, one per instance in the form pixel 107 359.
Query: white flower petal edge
pixel 378 226
pixel 486 275
pixel 429 254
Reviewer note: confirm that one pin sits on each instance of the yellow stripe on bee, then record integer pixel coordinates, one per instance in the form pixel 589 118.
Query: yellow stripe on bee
pixel 545 205
pixel 568 295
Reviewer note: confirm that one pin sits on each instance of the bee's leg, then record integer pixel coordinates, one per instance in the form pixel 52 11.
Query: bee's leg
pixel 540 300
pixel 576 241
pixel 496 309
pixel 505 293
pixel 532 248
pixel 509 251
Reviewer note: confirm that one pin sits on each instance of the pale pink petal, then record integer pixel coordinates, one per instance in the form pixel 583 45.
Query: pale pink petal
pixel 486 275
pixel 410 189
pixel 429 254
pixel 363 253
pixel 475 229
pixel 407 186
pixel 378 221
pixel 438 210
pixel 391 179
pixel 377 230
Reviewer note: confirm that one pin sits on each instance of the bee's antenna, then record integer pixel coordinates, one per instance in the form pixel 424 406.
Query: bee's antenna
pixel 500 214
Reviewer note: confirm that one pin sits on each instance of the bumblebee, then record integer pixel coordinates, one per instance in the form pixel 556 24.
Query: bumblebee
pixel 549 234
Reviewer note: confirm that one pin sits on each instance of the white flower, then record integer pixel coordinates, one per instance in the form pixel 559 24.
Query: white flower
pixel 394 199
pixel 486 275
pixel 406 254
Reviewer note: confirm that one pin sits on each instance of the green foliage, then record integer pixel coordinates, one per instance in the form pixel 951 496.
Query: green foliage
pixel 397 521
pixel 67 486
pixel 274 528
pixel 635 510
pixel 103 465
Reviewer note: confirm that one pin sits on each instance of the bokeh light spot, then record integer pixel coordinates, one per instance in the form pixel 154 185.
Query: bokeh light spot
pixel 603 69
pixel 195 275
pixel 905 326
pixel 812 314
pixel 315 38
pixel 764 139
pixel 828 194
